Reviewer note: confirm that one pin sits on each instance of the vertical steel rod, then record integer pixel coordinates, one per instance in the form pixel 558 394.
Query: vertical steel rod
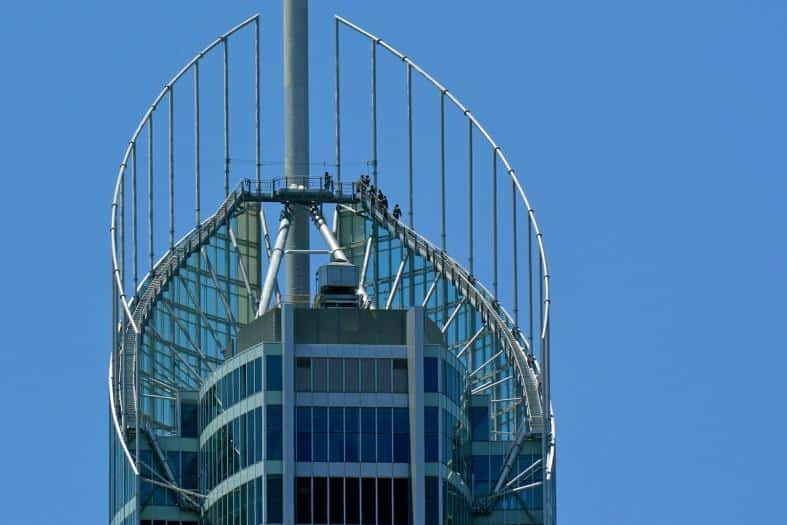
pixel 376 269
pixel 515 254
pixel 257 133
pixel 410 203
pixel 196 146
pixel 134 259
pixel 494 222
pixel 337 101
pixel 442 199
pixel 530 275
pixel 226 119
pixel 470 195
pixel 150 190
pixel 171 107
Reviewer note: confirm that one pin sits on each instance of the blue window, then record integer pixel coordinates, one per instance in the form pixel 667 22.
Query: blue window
pixel 481 476
pixel 257 435
pixel 273 372
pixel 431 434
pixel 336 444
pixel 479 423
pixel 430 374
pixel 303 425
pixel 274 500
pixel 401 436
pixel 257 375
pixel 274 432
pixel 320 432
pixel 351 444
pixel 368 436
pixel 243 381
pixel 188 419
pixel 384 435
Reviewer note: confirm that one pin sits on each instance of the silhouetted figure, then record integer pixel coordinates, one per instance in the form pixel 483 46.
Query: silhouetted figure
pixel 397 212
pixel 327 181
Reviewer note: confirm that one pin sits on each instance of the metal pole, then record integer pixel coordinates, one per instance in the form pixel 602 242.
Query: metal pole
pixel 134 262
pixel 375 230
pixel 337 99
pixel 150 190
pixel 171 168
pixel 494 222
pixel 530 275
pixel 410 203
pixel 442 198
pixel 470 195
pixel 296 141
pixel 515 254
pixel 257 145
pixel 226 120
pixel 196 145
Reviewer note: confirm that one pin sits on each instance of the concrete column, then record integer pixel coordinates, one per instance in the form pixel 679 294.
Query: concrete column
pixel 296 141
pixel 415 399
pixel 288 410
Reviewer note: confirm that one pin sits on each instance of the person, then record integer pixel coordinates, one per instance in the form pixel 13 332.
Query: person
pixel 397 212
pixel 328 181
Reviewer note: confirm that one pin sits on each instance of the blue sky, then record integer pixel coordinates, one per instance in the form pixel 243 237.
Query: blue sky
pixel 651 140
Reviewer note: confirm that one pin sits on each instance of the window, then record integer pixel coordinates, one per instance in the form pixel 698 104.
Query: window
pixel 481 475
pixel 272 372
pixel 401 436
pixel 430 374
pixel 431 501
pixel 257 375
pixel 384 503
pixel 400 376
pixel 367 375
pixel 351 382
pixel 273 434
pixel 303 500
pixel 384 375
pixel 353 501
pixel 479 423
pixel 368 437
pixel 368 502
pixel 320 374
pixel 303 370
pixel 336 439
pixel 402 499
pixel 384 431
pixel 320 432
pixel 351 444
pixel 303 439
pixel 431 434
pixel 336 488
pixel 188 419
pixel 320 491
pixel 335 375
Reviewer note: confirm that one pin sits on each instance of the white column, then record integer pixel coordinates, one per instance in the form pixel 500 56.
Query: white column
pixel 415 382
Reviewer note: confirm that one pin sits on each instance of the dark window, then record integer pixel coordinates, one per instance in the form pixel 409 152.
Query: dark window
pixel 320 490
pixel 353 501
pixel 337 500
pixel 320 433
pixel 189 470
pixel 402 499
pixel 274 430
pixel 335 374
pixel 400 376
pixel 367 375
pixel 257 375
pixel 319 374
pixel 188 419
pixel 368 502
pixel 351 444
pixel 303 500
pixel 384 435
pixel 351 375
pixel 401 435
pixel 272 372
pixel 479 423
pixel 431 434
pixel 430 374
pixel 368 435
pixel 430 499
pixel 384 375
pixel 481 475
pixel 336 445
pixel 303 425
pixel 257 435
pixel 303 371
pixel 384 510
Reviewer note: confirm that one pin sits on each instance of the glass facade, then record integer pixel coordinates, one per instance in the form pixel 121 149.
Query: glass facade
pixel 352 500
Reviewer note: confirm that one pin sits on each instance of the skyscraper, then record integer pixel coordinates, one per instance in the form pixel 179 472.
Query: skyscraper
pixel 400 390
